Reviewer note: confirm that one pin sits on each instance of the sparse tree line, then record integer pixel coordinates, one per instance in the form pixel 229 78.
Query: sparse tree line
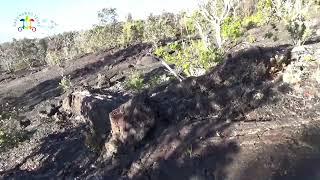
pixel 217 24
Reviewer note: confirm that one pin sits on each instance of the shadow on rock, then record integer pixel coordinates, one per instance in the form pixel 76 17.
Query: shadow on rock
pixel 59 155
pixel 298 158
pixel 187 138
pixel 199 163
pixel 93 110
pixel 192 116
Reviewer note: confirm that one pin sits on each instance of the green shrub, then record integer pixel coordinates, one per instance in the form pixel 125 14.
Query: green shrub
pixel 22 54
pixel 61 48
pixel 54 58
pixel 28 53
pixel 260 16
pixel 231 28
pixel 11 140
pixel 157 80
pixel 252 39
pixel 268 35
pixel 297 30
pixel 65 83
pixel 265 11
pixel 135 82
pixel 103 36
pixel 294 14
pixel 98 38
pixel 161 27
pixel 193 59
pixel 188 23
pixel 133 32
pixel 254 20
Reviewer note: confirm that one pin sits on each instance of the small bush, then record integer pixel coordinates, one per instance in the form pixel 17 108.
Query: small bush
pixel 54 58
pixel 294 13
pixel 193 58
pixel 157 80
pixel 268 35
pixel 133 32
pixel 135 82
pixel 161 27
pixel 297 30
pixel 22 54
pixel 188 24
pixel 61 48
pixel 11 138
pixel 99 38
pixel 65 83
pixel 231 28
pixel 252 39
pixel 254 20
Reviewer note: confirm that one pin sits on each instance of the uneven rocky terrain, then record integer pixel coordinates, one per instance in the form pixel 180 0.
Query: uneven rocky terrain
pixel 255 116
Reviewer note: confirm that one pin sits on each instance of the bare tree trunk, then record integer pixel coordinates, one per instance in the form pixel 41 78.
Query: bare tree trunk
pixel 214 15
pixel 218 35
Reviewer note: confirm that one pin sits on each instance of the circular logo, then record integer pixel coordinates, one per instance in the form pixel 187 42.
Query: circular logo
pixel 27 21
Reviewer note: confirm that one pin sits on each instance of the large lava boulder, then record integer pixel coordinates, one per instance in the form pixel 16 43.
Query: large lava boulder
pixel 92 110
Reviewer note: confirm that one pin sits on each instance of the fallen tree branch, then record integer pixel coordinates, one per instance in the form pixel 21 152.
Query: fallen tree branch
pixel 167 66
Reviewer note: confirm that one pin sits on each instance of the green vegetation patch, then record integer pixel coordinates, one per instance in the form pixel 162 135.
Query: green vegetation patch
pixel 192 58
